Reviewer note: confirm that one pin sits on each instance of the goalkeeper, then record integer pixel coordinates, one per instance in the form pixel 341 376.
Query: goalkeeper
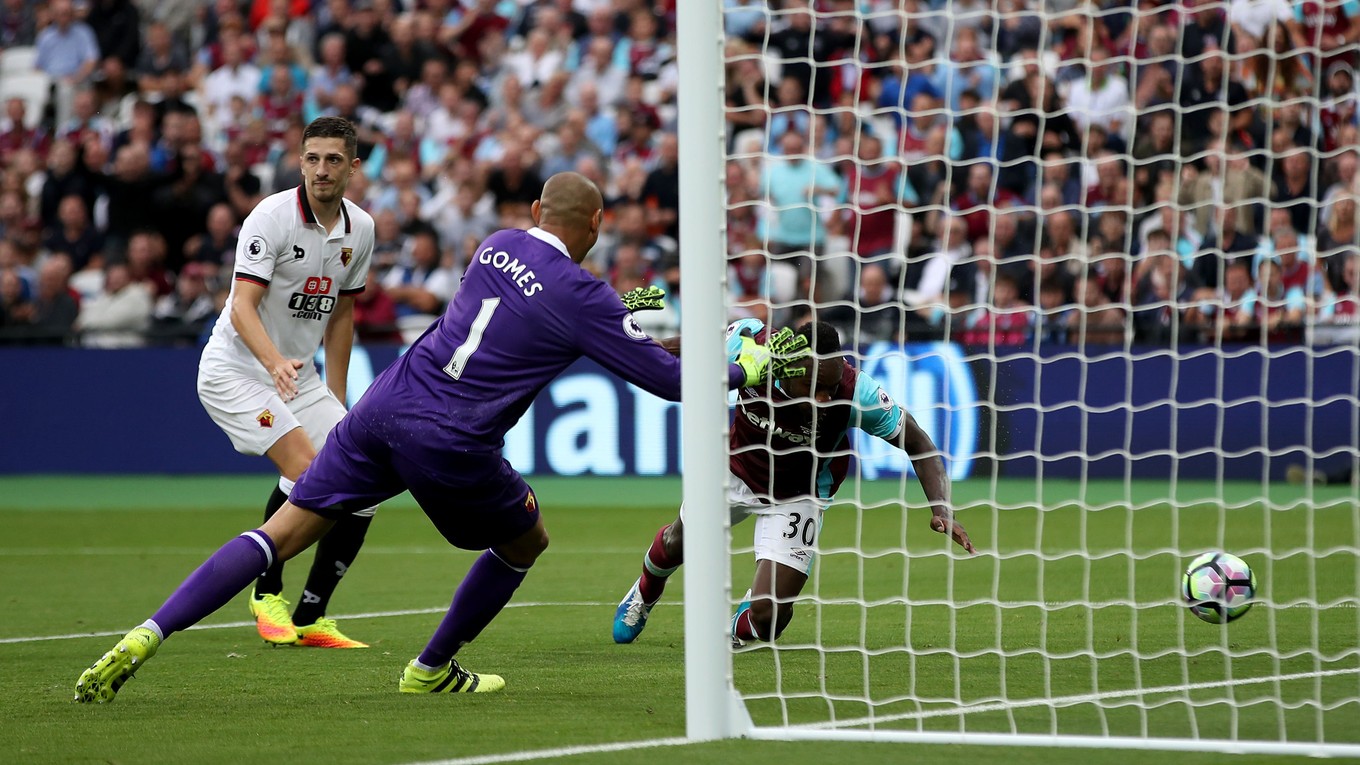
pixel 789 454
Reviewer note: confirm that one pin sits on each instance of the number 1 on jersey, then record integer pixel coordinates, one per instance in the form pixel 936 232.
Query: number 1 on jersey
pixel 460 358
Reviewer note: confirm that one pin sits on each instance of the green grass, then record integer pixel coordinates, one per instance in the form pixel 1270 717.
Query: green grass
pixel 82 555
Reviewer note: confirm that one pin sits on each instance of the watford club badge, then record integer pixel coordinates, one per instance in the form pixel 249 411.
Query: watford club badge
pixel 266 419
pixel 530 502
pixel 346 255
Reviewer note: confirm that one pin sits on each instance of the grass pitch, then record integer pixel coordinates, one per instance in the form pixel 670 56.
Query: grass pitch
pixel 992 634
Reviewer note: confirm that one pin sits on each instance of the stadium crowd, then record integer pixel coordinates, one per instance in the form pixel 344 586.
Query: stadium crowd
pixel 1010 172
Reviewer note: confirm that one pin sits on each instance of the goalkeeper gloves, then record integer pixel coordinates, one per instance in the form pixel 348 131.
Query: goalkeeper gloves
pixel 781 357
pixel 643 299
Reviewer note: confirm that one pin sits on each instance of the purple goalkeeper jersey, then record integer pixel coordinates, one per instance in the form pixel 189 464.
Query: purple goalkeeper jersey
pixel 524 312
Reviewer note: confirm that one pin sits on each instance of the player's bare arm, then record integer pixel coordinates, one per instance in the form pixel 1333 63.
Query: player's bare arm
pixel 245 317
pixel 929 465
pixel 338 341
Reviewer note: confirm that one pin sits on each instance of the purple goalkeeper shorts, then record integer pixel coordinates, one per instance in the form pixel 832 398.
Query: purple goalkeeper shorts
pixel 475 499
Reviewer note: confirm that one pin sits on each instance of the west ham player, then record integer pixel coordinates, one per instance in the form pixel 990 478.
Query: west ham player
pixel 790 453
pixel 434 423
pixel 303 256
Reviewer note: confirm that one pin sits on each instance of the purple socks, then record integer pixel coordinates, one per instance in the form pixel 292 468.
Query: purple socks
pixel 230 570
pixel 484 592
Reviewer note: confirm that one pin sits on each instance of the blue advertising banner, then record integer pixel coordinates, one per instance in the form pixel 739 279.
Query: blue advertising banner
pixel 1201 414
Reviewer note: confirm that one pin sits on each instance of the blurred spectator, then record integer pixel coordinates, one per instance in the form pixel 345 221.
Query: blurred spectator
pixel 514 184
pixel 458 212
pixel 181 206
pixel 1224 245
pixel 422 98
pixel 966 70
pixel 330 71
pixel 388 240
pixel 1099 321
pixel 1102 97
pixel 365 42
pixel 1228 176
pixel 597 68
pixel 1277 309
pixel 1164 290
pixel 280 102
pixel 423 287
pixel 879 312
pixel 1341 306
pixel 116 27
pixel 479 21
pixel 86 121
pixel 17 24
pixel 927 280
pixel 792 183
pixel 74 235
pixel 1296 267
pixel 661 192
pixel 239 183
pixel 1008 321
pixel 548 106
pixel 119 315
pixel 1229 310
pixel 54 306
pixel 67 48
pixel 129 188
pixel 1204 92
pixel 190 308
pixel 1340 104
pixel 214 251
pixel 375 315
pixel 146 262
pixel 537 62
pixel 802 50
pixel 235 77
pixel 1296 190
pixel 15 135
pixel 16 303
pixel 403 57
pixel 64 178
pixel 160 56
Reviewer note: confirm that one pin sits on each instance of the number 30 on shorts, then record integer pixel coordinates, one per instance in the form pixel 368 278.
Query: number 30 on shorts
pixel 803 528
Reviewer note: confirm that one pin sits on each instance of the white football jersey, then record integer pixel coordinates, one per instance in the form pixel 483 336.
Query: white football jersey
pixel 305 268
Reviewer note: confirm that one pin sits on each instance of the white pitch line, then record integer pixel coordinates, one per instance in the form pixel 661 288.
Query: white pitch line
pixel 369 615
pixel 1088 698
pixel 552 754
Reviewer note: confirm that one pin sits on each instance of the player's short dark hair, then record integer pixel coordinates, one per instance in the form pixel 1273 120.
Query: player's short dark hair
pixel 334 127
pixel 823 338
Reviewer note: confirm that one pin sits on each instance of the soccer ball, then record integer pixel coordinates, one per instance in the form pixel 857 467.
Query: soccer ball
pixel 1218 587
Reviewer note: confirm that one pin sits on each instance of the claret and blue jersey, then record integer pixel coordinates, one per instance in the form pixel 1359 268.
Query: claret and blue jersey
pixel 778 450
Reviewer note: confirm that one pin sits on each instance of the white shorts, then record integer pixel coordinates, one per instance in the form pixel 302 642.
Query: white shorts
pixel 254 417
pixel 785 532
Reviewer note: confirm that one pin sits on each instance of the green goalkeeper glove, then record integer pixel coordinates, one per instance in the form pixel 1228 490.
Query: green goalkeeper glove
pixel 781 357
pixel 643 299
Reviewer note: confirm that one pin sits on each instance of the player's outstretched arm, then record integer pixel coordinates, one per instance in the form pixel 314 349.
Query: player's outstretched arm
pixel 929 465
pixel 245 317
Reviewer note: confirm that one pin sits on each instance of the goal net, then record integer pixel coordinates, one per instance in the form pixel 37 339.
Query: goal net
pixel 1106 254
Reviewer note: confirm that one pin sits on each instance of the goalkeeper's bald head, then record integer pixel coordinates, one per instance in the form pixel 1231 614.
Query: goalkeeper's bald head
pixel 572 209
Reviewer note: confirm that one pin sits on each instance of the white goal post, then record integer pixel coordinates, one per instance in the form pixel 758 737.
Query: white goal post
pixel 1096 447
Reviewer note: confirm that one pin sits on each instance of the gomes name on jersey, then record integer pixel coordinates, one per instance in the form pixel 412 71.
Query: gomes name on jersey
pixel 508 264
